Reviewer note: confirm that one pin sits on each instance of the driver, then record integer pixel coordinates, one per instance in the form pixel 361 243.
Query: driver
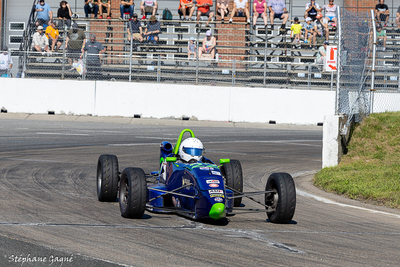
pixel 191 150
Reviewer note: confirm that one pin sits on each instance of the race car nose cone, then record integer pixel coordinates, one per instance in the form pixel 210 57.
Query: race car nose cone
pixel 217 211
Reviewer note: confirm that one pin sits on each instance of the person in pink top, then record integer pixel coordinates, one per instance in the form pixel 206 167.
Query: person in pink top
pixel 260 11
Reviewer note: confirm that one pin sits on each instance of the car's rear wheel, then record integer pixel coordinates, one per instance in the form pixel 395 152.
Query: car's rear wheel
pixel 283 202
pixel 133 193
pixel 107 178
pixel 232 171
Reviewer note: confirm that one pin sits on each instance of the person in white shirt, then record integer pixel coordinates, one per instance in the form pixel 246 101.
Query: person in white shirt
pixel 148 7
pixel 5 62
pixel 240 9
pixel 40 43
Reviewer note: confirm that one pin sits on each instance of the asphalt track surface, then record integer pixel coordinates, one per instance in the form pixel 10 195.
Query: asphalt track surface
pixel 50 215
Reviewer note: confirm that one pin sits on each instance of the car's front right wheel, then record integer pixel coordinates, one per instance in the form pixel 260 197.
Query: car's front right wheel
pixel 133 193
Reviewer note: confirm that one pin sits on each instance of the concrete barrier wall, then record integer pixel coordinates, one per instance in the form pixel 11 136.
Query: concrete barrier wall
pixel 102 98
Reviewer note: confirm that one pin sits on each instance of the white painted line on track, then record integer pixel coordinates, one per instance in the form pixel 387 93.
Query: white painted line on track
pixel 328 201
pixel 44 133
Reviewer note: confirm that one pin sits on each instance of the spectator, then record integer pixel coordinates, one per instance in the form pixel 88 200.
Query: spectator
pixel 277 9
pixel 152 30
pixel 209 44
pixel 260 11
pixel 330 12
pixel 308 31
pixel 64 15
pixel 192 48
pixel 398 18
pixel 148 7
pixel 222 9
pixel 76 40
pixel 136 27
pixel 94 51
pixel 52 34
pixel 312 9
pixel 91 6
pixel 125 7
pixel 5 62
pixel 320 29
pixel 382 13
pixel 203 9
pixel 322 53
pixel 184 5
pixel 296 30
pixel 240 9
pixel 104 5
pixel 40 43
pixel 381 35
pixel 44 13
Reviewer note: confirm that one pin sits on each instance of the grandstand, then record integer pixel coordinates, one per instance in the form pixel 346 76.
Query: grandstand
pixel 244 56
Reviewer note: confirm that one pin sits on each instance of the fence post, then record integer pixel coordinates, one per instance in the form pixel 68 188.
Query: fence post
pixel 197 58
pixel 131 50
pixel 84 65
pixel 371 110
pixel 159 69
pixel 233 72
pixel 331 80
pixel 63 56
pixel 339 51
pixel 309 76
pixel 398 78
pixel 265 58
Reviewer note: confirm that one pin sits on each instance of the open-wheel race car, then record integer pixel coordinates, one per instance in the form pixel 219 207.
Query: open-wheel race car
pixel 191 185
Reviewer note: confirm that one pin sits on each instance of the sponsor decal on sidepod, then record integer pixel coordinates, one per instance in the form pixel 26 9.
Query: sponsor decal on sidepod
pixel 213 185
pixel 218 199
pixel 212 181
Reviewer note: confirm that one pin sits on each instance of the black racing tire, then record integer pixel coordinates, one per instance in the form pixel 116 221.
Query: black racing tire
pixel 133 193
pixel 232 171
pixel 107 178
pixel 284 201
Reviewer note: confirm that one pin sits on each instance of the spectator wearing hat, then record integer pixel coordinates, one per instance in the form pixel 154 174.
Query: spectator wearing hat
pixel 5 62
pixel 126 7
pixel 43 13
pixel 94 50
pixel 64 15
pixel 296 30
pixel 203 9
pixel 209 44
pixel 277 10
pixel 91 7
pixel 186 6
pixel 308 32
pixel 312 10
pixel 40 43
pixel 148 7
pixel 105 5
pixel 76 40
pixel 320 29
pixel 137 30
pixel 52 34
pixel 381 35
pixel 192 48
pixel 240 9
pixel 322 53
pixel 152 30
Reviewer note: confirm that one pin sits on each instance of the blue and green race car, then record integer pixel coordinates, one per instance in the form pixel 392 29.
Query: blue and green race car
pixel 191 185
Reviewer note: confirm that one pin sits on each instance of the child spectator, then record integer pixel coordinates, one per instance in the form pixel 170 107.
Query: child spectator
pixel 240 9
pixel 64 15
pixel 91 6
pixel 381 35
pixel 296 30
pixel 52 34
pixel 192 48
pixel 125 7
pixel 44 13
pixel 309 32
pixel 148 7
pixel 184 6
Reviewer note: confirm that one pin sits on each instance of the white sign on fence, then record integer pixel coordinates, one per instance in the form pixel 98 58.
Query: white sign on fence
pixel 331 58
